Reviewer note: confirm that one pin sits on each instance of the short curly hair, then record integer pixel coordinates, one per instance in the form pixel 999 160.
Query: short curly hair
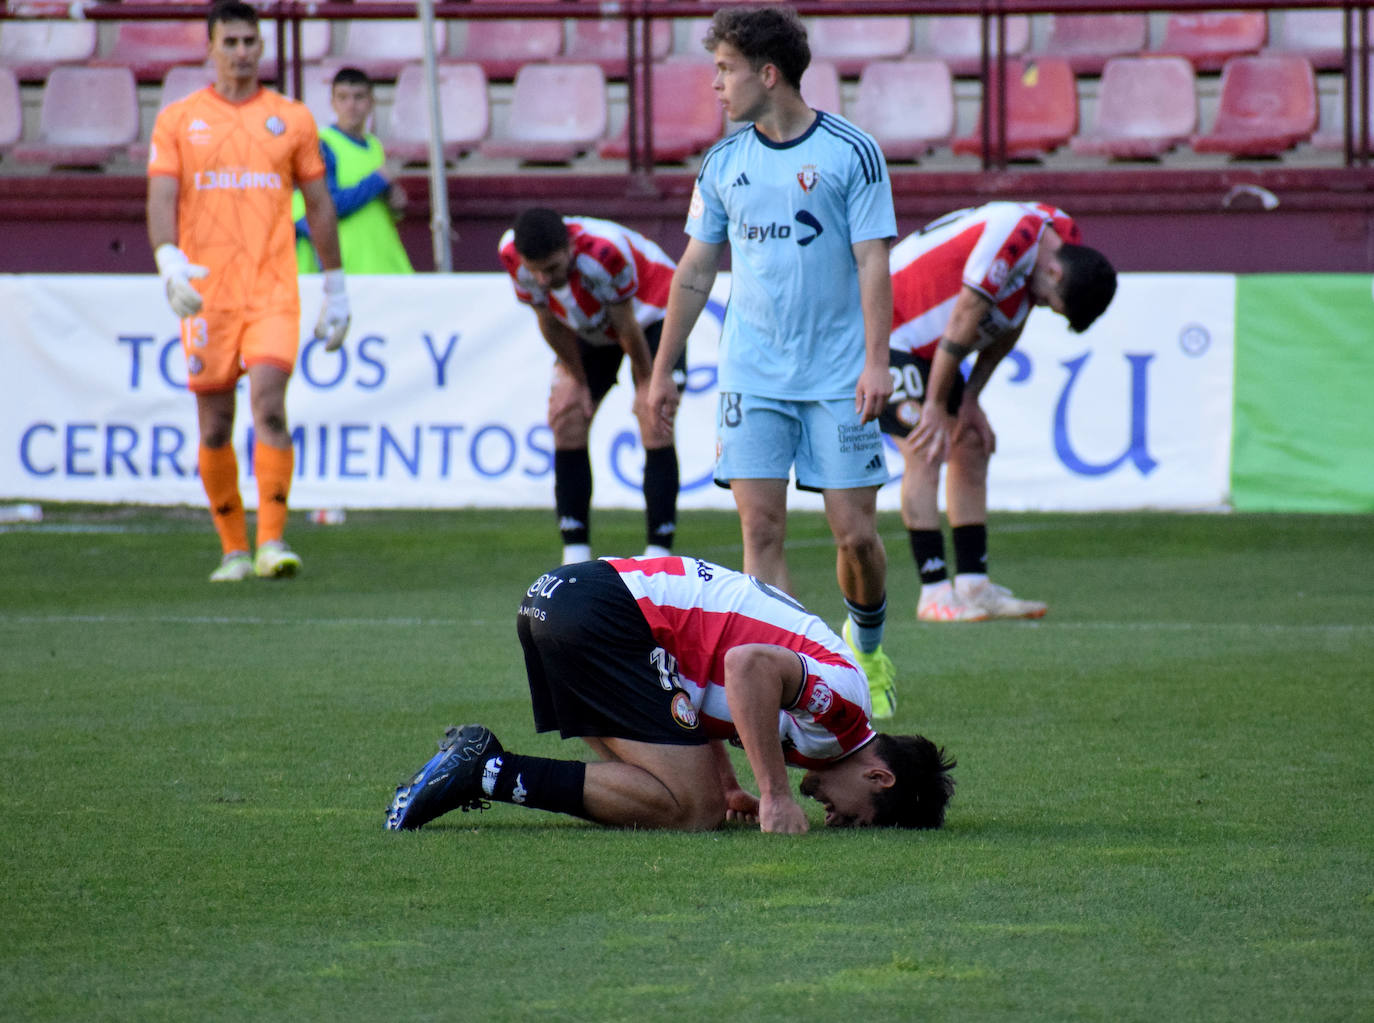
pixel 763 35
pixel 923 787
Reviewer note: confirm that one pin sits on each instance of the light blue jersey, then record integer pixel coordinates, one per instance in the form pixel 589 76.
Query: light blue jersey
pixel 794 328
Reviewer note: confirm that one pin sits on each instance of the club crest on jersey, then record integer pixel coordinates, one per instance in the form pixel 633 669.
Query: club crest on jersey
pixel 194 365
pixel 997 273
pixel 683 711
pixel 808 177
pixel 275 125
pixel 820 699
pixel 908 413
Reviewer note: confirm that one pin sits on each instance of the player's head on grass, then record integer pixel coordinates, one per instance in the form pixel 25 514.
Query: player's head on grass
pixel 763 35
pixel 896 781
pixel 1087 284
pixel 544 246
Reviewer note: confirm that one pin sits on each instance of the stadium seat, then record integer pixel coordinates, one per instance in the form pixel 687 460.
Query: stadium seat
pixel 907 105
pixel 1330 136
pixel 601 41
pixel 958 40
pixel 687 116
pixel 1042 110
pixel 850 43
pixel 31 49
pixel 464 114
pixel 503 47
pixel 1145 107
pixel 11 110
pixel 1268 105
pixel 1210 39
pixel 151 48
pixel 178 83
pixel 317 82
pixel 382 47
pixel 557 112
pixel 821 87
pixel 1318 35
pixel 315 43
pixel 88 116
pixel 1087 41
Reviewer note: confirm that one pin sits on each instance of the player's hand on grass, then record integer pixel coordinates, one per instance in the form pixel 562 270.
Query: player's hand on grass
pixel 741 805
pixel 332 326
pixel 782 816
pixel 177 272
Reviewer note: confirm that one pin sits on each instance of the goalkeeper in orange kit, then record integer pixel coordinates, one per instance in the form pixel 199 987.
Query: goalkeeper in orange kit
pixel 223 165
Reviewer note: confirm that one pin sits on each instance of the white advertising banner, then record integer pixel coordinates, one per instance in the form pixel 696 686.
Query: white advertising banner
pixel 438 400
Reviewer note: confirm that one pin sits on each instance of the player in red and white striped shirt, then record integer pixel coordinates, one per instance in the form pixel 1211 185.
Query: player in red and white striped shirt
pixel 964 284
pixel 655 663
pixel 599 291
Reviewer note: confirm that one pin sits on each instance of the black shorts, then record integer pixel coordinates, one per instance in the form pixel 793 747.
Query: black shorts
pixel 601 363
pixel 593 666
pixel 910 375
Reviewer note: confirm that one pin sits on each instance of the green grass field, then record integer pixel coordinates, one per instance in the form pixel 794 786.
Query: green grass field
pixel 1163 811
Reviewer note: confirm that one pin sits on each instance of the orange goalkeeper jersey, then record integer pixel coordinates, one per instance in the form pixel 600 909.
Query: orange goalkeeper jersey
pixel 237 164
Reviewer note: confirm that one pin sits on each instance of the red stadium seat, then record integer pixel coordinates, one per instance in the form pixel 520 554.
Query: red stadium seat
pixel 1331 136
pixel 31 49
pixel 88 117
pixel 1211 38
pixel 151 48
pixel 503 47
pixel 850 43
pixel 687 116
pixel 907 105
pixel 821 87
pixel 1145 107
pixel 464 114
pixel 557 112
pixel 1042 110
pixel 602 42
pixel 1318 35
pixel 1087 41
pixel 958 40
pixel 1268 105
pixel 11 110
pixel 382 47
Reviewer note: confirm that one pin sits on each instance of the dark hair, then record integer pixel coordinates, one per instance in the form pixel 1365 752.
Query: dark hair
pixel 539 233
pixel 763 35
pixel 230 10
pixel 351 76
pixel 1087 287
pixel 923 787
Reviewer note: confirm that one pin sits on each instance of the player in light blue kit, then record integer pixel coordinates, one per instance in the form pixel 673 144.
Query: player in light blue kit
pixel 805 202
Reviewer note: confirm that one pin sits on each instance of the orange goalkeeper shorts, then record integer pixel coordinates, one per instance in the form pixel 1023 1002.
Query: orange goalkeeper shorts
pixel 220 346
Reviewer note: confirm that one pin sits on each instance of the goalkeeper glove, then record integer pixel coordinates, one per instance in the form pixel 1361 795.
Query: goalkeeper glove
pixel 177 272
pixel 334 317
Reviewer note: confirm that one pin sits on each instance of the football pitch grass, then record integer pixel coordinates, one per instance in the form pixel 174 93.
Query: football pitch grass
pixel 1163 806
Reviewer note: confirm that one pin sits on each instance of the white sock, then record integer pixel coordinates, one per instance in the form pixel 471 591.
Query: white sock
pixel 654 550
pixel 575 552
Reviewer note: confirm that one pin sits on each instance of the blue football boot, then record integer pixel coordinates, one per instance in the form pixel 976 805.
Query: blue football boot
pixel 451 780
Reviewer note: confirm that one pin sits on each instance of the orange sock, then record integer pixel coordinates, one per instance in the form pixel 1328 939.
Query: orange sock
pixel 219 474
pixel 273 467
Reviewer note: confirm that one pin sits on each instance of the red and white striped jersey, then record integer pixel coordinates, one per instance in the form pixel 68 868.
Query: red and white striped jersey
pixel 697 611
pixel 610 264
pixel 990 248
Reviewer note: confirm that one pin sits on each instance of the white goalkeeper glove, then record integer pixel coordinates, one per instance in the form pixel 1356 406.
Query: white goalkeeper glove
pixel 177 272
pixel 334 317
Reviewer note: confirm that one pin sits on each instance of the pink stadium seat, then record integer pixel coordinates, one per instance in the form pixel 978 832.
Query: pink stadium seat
pixel 1145 107
pixel 1086 41
pixel 602 42
pixel 382 47
pixel 1042 110
pixel 11 110
pixel 464 114
pixel 908 106
pixel 315 43
pixel 88 117
pixel 557 112
pixel 1268 105
pixel 31 49
pixel 850 43
pixel 687 115
pixel 503 47
pixel 150 48
pixel 821 87
pixel 958 41
pixel 1318 35
pixel 1331 136
pixel 317 81
pixel 1211 38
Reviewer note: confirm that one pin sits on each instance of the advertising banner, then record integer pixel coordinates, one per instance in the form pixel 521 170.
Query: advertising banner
pixel 438 399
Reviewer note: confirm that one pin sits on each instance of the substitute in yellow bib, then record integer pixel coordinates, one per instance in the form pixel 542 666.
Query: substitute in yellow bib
pixel 368 203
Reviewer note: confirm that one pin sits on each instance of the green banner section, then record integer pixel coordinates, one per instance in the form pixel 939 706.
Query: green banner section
pixel 1304 414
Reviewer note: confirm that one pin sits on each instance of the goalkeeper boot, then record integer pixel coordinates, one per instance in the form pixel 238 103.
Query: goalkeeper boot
pixel 452 779
pixel 997 601
pixel 233 567
pixel 882 676
pixel 275 560
pixel 939 602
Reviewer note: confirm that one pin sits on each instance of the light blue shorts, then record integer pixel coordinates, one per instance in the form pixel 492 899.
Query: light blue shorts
pixel 824 441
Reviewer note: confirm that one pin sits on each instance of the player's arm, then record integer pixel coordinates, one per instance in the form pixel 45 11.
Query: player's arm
pixel 687 296
pixel 332 325
pixel 563 341
pixel 875 298
pixel 175 269
pixel 971 417
pixel 958 341
pixel 761 679
pixel 653 432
